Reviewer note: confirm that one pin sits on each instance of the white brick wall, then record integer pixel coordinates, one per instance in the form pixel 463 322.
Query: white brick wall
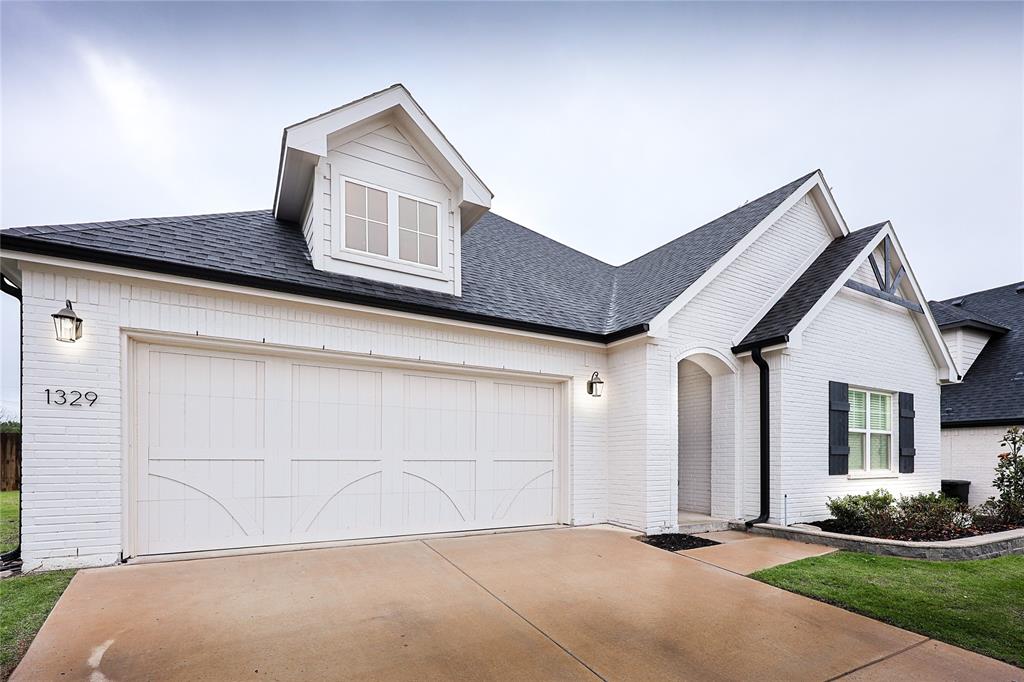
pixel 970 454
pixel 712 320
pixel 694 438
pixel 73 456
pixel 865 342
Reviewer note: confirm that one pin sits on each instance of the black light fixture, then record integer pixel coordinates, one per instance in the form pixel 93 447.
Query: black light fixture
pixel 68 324
pixel 595 385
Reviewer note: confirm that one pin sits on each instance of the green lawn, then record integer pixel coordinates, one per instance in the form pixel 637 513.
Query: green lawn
pixel 9 520
pixel 976 605
pixel 26 601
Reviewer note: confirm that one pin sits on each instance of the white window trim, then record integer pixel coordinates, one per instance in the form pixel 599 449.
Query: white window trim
pixel 867 471
pixel 391 262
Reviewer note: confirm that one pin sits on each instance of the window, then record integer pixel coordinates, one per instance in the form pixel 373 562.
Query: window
pixel 417 231
pixel 366 219
pixel 382 222
pixel 870 431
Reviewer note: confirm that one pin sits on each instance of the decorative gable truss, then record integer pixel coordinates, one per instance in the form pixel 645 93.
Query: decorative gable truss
pixel 879 269
pixel 888 282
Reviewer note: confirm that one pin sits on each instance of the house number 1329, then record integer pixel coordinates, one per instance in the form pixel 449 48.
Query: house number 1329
pixel 73 398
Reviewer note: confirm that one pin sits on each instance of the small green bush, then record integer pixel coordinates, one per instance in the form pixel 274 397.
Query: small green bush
pixel 863 513
pixel 933 516
pixel 923 517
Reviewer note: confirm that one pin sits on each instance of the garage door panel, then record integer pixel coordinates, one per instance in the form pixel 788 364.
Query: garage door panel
pixel 239 451
pixel 439 414
pixel 335 408
pixel 329 496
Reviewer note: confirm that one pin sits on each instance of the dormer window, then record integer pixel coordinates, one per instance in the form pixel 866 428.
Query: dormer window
pixel 384 223
pixel 366 219
pixel 417 231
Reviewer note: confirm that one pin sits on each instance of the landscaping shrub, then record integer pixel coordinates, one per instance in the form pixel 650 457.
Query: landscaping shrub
pixel 862 513
pixel 933 516
pixel 922 517
pixel 1009 479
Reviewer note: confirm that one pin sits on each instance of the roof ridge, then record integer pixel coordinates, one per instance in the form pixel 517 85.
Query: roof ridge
pixel 981 291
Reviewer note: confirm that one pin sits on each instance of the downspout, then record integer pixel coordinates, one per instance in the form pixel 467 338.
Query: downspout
pixel 765 437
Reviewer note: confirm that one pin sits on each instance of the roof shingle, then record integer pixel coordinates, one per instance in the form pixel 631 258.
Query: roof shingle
pixel 992 392
pixel 512 276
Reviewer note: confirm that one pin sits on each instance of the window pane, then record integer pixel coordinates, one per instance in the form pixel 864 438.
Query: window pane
pixel 858 410
pixel 880 450
pixel 406 213
pixel 407 246
pixel 856 451
pixel 428 219
pixel 378 238
pixel 377 205
pixel 355 199
pixel 355 233
pixel 428 250
pixel 881 409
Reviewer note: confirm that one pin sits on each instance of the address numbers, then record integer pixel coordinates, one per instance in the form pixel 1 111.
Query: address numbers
pixel 59 396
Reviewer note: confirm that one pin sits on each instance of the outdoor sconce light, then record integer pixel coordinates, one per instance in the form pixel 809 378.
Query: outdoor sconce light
pixel 595 385
pixel 68 324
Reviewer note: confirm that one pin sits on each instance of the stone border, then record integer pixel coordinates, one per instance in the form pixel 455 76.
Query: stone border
pixel 986 546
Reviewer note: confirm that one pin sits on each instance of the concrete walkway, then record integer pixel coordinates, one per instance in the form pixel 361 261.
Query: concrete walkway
pixel 745 553
pixel 539 605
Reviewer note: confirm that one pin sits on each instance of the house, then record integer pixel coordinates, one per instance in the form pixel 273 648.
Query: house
pixel 985 334
pixel 381 355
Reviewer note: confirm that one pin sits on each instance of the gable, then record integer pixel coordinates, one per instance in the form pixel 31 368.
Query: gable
pixel 740 293
pixel 841 266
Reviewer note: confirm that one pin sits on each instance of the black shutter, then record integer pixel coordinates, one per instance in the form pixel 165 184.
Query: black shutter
pixel 907 449
pixel 838 428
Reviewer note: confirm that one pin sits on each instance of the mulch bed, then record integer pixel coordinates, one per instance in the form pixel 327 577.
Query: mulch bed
pixel 674 542
pixel 911 534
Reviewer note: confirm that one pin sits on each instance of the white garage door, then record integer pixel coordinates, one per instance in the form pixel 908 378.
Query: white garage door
pixel 240 450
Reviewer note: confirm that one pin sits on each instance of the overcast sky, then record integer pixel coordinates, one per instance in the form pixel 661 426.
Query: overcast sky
pixel 611 128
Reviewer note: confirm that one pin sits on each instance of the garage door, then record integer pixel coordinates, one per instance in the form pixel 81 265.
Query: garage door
pixel 238 450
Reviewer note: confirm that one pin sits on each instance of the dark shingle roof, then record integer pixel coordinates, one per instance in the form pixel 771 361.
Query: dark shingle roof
pixel 511 276
pixel 949 316
pixel 992 392
pixel 787 312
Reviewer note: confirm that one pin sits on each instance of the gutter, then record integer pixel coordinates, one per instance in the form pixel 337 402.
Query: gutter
pixel 78 253
pixel 764 431
pixel 762 343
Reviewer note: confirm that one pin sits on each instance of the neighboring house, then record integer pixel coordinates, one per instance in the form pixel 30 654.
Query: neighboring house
pixel 985 334
pixel 381 355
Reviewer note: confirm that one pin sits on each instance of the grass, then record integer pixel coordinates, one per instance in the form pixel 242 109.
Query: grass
pixel 977 605
pixel 26 601
pixel 9 520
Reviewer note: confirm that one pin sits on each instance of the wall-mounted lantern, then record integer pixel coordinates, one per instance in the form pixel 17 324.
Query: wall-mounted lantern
pixel 595 385
pixel 68 324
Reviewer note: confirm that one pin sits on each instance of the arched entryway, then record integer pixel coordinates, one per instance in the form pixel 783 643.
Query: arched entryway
pixel 707 434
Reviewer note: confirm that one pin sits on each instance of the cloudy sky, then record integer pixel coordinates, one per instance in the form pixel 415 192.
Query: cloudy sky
pixel 612 128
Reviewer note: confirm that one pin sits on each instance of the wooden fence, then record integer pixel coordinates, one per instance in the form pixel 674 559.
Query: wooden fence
pixel 10 461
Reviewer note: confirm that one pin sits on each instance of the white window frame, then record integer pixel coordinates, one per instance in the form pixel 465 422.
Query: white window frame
pixel 398 228
pixel 867 471
pixel 391 261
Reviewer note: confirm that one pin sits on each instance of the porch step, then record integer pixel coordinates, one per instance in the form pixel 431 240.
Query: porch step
pixel 691 524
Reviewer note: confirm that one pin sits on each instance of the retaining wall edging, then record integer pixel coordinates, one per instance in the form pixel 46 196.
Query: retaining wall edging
pixel 978 547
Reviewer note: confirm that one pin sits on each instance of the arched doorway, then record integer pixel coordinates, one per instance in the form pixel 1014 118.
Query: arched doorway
pixel 706 435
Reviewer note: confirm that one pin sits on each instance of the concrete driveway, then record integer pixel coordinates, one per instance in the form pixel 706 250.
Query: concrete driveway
pixel 537 605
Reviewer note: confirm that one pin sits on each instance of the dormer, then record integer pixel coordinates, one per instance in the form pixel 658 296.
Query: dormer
pixel 380 192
